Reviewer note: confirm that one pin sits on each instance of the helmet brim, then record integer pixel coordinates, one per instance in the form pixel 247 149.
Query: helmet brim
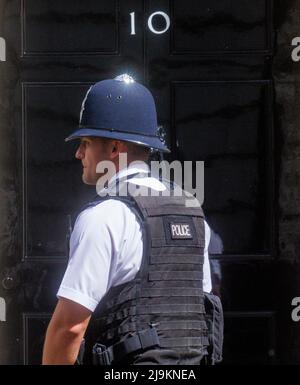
pixel 143 140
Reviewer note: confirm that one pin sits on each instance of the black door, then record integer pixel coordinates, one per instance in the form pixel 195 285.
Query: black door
pixel 208 64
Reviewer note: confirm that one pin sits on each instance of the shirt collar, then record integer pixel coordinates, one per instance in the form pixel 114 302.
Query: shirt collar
pixel 136 167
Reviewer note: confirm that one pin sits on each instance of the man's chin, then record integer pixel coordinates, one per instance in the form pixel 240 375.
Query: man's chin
pixel 88 181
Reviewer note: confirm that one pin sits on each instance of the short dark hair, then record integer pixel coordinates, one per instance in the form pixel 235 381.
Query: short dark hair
pixel 138 151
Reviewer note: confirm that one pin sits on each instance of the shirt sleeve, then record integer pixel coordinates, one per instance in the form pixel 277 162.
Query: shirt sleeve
pixel 207 285
pixel 91 260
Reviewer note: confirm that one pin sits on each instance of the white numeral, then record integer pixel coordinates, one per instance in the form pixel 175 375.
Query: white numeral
pixel 132 15
pixel 150 24
pixel 166 17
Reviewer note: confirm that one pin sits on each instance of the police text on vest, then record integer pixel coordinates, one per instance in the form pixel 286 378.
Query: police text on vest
pixel 181 231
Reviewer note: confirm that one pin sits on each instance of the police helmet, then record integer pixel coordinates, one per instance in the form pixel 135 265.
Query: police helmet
pixel 121 109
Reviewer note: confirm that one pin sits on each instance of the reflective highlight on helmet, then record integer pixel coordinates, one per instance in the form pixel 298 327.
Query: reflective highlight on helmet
pixel 125 78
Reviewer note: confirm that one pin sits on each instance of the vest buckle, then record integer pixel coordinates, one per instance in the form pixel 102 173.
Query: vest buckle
pixel 101 355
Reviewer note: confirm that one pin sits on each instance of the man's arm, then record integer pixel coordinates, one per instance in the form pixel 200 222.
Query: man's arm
pixel 65 332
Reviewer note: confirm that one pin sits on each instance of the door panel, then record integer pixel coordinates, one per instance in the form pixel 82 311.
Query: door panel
pixel 221 27
pixel 52 176
pixel 70 27
pixel 228 126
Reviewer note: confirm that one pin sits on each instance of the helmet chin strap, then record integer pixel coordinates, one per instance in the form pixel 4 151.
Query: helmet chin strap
pixel 161 156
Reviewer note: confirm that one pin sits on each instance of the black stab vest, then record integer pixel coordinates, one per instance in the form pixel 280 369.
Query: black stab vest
pixel 167 292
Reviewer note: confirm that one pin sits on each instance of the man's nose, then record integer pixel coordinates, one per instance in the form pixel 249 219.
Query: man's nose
pixel 79 152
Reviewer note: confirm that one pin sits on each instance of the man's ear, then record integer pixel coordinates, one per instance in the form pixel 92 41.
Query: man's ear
pixel 115 148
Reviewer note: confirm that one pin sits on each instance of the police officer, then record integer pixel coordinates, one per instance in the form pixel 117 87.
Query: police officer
pixel 138 264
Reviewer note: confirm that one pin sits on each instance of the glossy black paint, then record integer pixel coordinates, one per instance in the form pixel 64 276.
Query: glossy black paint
pixel 211 77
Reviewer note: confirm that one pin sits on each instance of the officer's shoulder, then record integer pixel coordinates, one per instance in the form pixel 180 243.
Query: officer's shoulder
pixel 148 181
pixel 104 210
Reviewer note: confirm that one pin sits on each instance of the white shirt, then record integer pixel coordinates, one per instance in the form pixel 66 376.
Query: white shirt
pixel 106 247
